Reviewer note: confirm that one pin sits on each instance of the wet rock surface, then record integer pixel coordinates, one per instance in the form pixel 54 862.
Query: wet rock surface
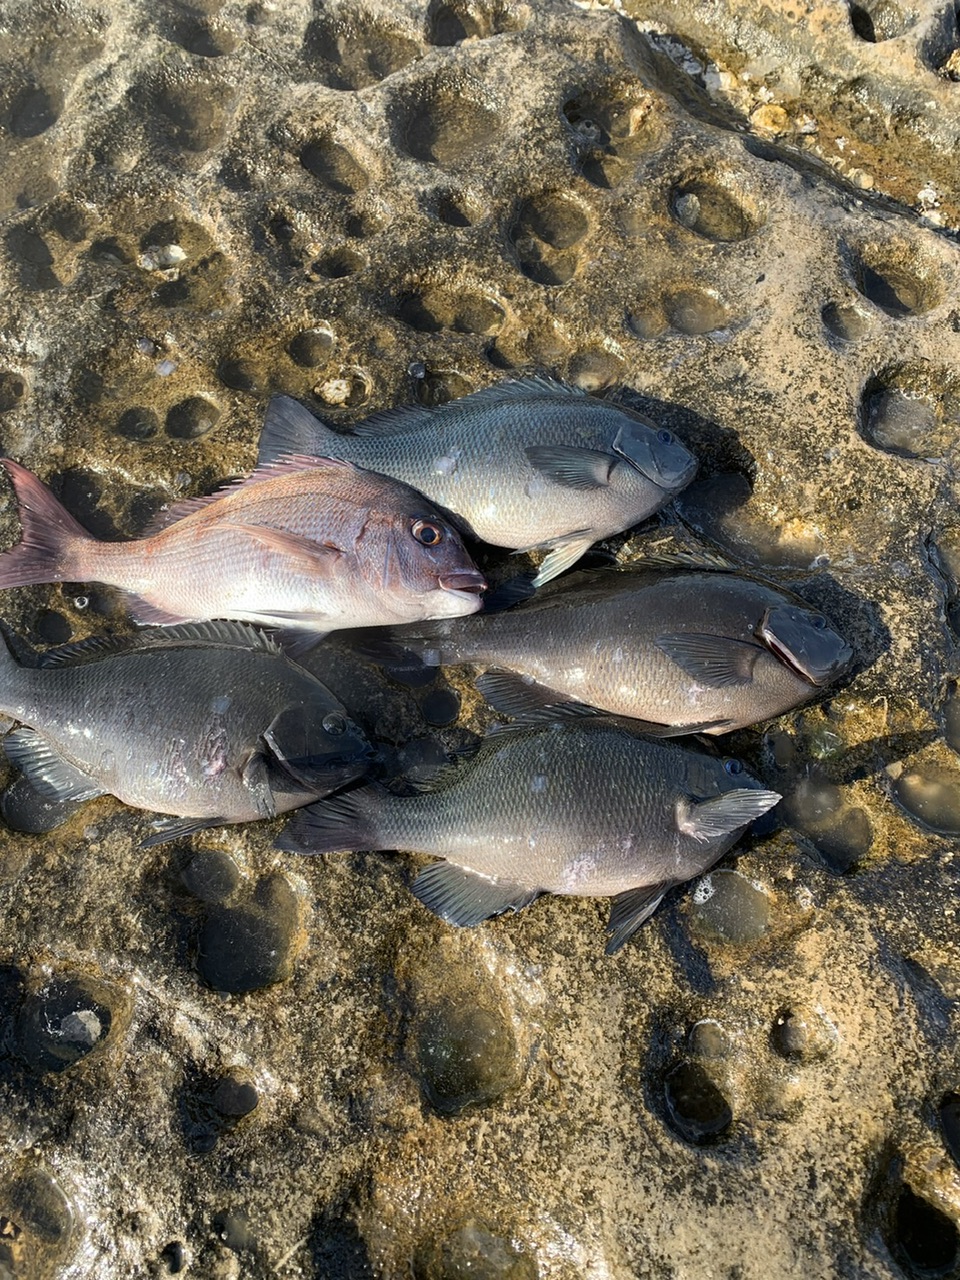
pixel 218 1060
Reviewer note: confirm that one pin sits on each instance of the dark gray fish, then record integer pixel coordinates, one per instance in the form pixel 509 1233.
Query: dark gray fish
pixel 531 465
pixel 210 722
pixel 578 808
pixel 683 650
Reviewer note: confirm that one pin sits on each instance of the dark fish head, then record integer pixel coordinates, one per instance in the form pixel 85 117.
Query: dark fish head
pixel 714 775
pixel 320 746
pixel 427 570
pixel 805 642
pixel 656 453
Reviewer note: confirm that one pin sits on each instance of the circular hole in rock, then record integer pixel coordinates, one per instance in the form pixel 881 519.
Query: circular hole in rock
pixel 923 1237
pixel 32 110
pixel 879 20
pixel 252 945
pixel 846 321
pixel 358 52
pixel 311 347
pixel 950 1124
pixel 24 809
pixel 454 209
pixel 13 390
pixel 841 834
pixel 448 127
pixel 334 165
pixel 695 311
pixel 449 23
pixel 52 627
pixel 603 171
pixel 608 124
pixel 716 207
pixel 62 1023
pixel 931 796
pixel 441 385
pixel 436 308
pixel 195 113
pixel 339 263
pixel 911 410
pixel 206 37
pixel 472 1252
pixel 696 1107
pixel 240 375
pixel 211 875
pixel 553 219
pixel 192 418
pixel 441 707
pixel 466 1055
pixel 138 423
pixel 893 276
pixel 728 907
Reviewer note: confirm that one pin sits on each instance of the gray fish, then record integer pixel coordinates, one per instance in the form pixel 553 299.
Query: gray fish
pixel 579 808
pixel 304 543
pixel 531 465
pixel 682 650
pixel 212 723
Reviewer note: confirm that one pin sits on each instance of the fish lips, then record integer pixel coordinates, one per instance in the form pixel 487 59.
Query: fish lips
pixel 806 643
pixel 470 581
pixel 656 454
pixel 320 775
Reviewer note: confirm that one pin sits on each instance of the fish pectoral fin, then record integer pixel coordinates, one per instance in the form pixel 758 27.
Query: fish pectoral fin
pixel 564 552
pixel 167 829
pixel 464 898
pixel 631 909
pixel 289 428
pixel 150 615
pixel 528 702
pixel 721 815
pixel 570 467
pixel 311 557
pixel 712 660
pixel 49 774
pixel 255 777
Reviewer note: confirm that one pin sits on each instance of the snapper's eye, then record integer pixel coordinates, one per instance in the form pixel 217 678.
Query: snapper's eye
pixel 732 766
pixel 334 722
pixel 427 533
pixel 664 436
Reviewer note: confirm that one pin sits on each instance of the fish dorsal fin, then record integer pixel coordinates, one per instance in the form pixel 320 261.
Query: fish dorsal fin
pixel 722 815
pixel 49 774
pixel 631 909
pixel 410 417
pixel 464 898
pixel 232 635
pixel 286 464
pixel 691 558
pixel 290 428
pixel 716 661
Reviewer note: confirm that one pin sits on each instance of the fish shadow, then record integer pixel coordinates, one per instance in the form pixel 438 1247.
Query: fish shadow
pixel 716 447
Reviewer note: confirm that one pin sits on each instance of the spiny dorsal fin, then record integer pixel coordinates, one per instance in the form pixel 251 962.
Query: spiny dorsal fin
pixel 286 464
pixel 231 635
pixel 411 417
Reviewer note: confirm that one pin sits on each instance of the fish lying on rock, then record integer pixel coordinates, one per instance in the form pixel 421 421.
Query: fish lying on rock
pixel 580 808
pixel 531 464
pixel 209 722
pixel 304 543
pixel 681 649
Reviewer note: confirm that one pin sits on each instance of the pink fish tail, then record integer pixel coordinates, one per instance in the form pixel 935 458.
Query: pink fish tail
pixel 52 544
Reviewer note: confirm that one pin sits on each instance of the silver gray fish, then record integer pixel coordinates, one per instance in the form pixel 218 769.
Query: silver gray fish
pixel 580 808
pixel 531 465
pixel 682 650
pixel 305 543
pixel 212 723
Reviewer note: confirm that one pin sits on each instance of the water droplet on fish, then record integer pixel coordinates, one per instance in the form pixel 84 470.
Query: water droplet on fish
pixel 108 760
pixel 538 782
pixel 445 466
pixel 220 705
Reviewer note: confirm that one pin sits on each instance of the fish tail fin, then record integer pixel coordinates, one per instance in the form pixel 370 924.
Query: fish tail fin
pixel 407 648
pixel 342 823
pixel 47 550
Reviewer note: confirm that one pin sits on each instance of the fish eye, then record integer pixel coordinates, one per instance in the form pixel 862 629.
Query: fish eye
pixel 334 722
pixel 819 621
pixel 427 533
pixel 732 766
pixel 664 436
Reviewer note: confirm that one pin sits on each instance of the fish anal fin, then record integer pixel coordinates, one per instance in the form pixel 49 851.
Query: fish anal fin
pixel 711 660
pixel 50 775
pixel 570 467
pixel 167 829
pixel 464 898
pixel 722 815
pixel 632 908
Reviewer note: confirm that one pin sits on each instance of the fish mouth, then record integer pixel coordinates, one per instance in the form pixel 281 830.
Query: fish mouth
pixel 470 580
